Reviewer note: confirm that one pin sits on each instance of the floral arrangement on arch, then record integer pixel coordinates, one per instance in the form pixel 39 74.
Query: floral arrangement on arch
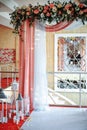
pixel 52 11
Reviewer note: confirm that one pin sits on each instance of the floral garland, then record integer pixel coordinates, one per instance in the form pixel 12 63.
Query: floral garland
pixel 54 11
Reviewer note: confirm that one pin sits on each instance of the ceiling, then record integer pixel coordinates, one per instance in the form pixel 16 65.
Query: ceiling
pixel 7 6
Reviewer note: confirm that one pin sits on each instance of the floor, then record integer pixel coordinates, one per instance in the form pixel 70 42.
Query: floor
pixel 57 119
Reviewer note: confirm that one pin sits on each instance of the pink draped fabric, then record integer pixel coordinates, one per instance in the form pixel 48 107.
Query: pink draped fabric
pixel 21 61
pixel 58 26
pixel 26 66
pixel 26 71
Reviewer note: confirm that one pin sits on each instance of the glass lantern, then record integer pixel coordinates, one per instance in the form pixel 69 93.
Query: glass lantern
pixel 19 108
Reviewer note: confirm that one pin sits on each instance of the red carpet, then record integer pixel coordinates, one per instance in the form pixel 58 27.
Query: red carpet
pixel 11 126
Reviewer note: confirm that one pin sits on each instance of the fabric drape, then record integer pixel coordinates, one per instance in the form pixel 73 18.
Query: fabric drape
pixel 32 77
pixel 58 27
pixel 21 60
pixel 40 76
pixel 26 71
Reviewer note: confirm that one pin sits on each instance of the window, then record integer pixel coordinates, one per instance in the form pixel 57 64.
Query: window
pixel 70 61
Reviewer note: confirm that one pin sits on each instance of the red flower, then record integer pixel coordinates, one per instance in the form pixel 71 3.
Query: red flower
pixel 44 11
pixel 46 7
pixel 68 6
pixel 81 5
pixel 51 5
pixel 36 11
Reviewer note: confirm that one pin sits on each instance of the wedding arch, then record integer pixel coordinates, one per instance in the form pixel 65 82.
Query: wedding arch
pixel 31 23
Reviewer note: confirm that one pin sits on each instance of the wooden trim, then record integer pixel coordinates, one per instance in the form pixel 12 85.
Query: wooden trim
pixel 9 72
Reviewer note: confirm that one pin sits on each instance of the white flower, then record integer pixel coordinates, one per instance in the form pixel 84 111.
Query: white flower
pixel 42 15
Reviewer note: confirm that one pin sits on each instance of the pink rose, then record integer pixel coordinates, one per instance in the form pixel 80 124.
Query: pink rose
pixel 51 5
pixel 46 7
pixel 44 11
pixel 68 6
pixel 81 5
pixel 36 11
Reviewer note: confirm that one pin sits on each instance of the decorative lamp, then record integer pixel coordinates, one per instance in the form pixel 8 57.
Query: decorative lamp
pixel 14 88
pixel 19 108
pixel 2 94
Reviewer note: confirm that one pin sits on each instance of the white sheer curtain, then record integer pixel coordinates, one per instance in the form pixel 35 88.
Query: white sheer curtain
pixel 40 76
